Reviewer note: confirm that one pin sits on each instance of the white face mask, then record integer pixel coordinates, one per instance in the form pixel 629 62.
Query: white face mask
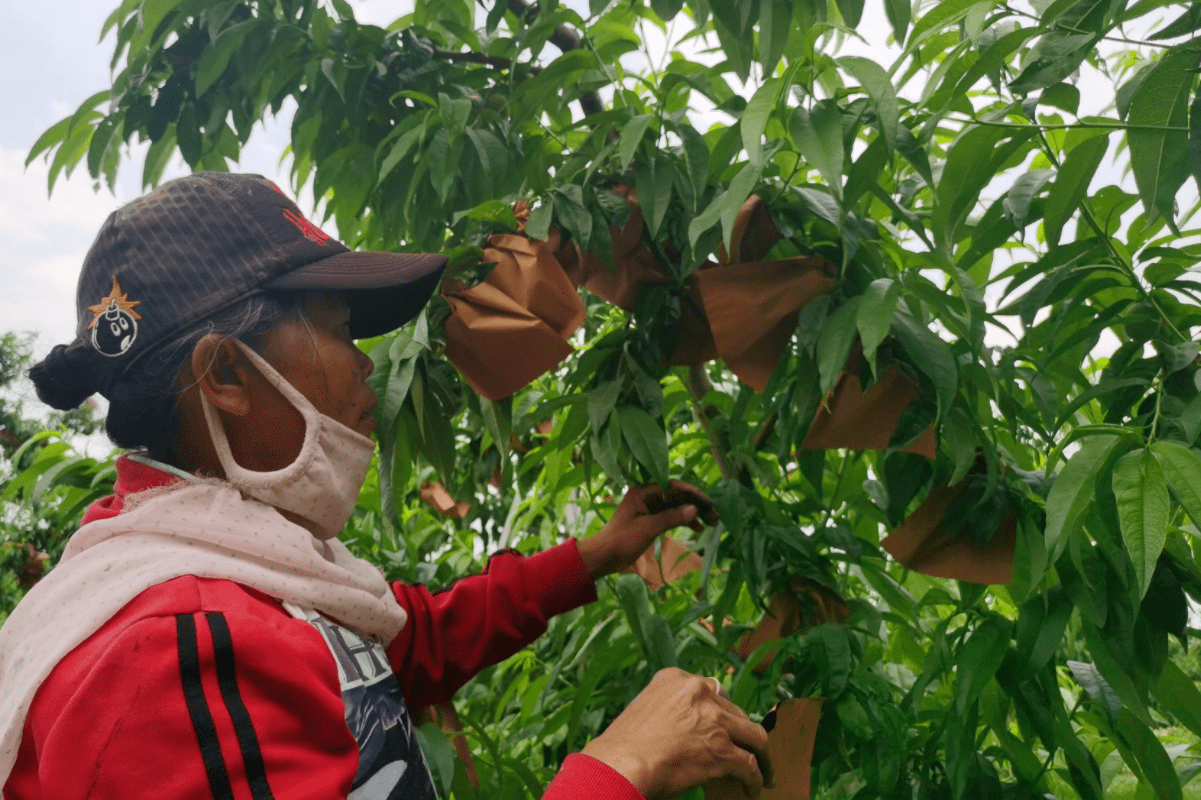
pixel 322 484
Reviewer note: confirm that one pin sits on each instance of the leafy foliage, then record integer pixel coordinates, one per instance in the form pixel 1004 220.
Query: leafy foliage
pixel 1048 322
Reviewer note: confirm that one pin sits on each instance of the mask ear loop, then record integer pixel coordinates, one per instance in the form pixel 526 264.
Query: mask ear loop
pixel 235 472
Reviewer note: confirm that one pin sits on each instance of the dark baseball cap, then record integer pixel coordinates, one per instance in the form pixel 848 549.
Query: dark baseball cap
pixel 197 245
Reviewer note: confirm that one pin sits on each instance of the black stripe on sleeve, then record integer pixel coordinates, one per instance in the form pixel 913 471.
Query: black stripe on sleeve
pixel 252 754
pixel 202 720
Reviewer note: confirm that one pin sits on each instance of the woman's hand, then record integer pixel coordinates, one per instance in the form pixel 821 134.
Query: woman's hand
pixel 645 513
pixel 681 731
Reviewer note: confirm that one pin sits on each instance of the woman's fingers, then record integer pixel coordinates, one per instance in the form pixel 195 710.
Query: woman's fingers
pixel 688 487
pixel 742 765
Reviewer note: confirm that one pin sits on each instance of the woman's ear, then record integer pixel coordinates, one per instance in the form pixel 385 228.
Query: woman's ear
pixel 220 373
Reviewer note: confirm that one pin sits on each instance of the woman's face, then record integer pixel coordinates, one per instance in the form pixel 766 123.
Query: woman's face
pixel 314 353
pixel 317 356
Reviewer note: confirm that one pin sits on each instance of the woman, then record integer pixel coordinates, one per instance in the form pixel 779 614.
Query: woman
pixel 205 633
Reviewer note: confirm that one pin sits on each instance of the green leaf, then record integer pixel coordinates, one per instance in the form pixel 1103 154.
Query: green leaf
pixel 851 11
pixel 1182 468
pixel 1157 156
pixel 696 158
pixel 775 24
pixel 538 225
pixel 631 136
pixel 605 446
pixel 1183 25
pixel 1088 676
pixel 834 344
pixel 50 137
pixel 978 659
pixel 1017 199
pixel 930 354
pixel 1071 184
pixel 631 593
pixel 439 755
pixel 1153 760
pixel 490 211
pixel 654 186
pixel 939 16
pixel 1114 674
pixel 965 172
pixel 601 402
pixel 874 317
pixel 660 642
pixel 876 82
pixel 726 205
pixel 960 437
pixel 817 135
pixel 647 441
pixel 1073 492
pixel 899 13
pixel 215 58
pixel 1141 491
pixel 667 9
pixel 1177 693
pixel 755 117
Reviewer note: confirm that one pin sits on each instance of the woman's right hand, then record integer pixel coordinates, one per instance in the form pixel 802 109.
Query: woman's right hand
pixel 679 732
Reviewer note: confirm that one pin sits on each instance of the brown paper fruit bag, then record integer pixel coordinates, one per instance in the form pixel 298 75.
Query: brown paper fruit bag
pixel 513 327
pixel 859 420
pixel 790 739
pixel 752 310
pixel 788 613
pixel 924 545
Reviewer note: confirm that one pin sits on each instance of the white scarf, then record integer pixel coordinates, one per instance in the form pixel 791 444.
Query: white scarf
pixel 202 528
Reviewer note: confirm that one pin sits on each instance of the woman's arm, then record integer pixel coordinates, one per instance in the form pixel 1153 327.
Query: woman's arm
pixel 483 619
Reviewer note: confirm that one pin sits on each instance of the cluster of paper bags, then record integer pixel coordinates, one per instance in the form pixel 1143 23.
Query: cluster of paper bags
pixel 516 325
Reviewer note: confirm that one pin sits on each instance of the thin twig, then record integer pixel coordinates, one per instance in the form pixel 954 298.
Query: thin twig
pixel 1055 26
pixel 697 384
pixel 1116 126
pixel 480 58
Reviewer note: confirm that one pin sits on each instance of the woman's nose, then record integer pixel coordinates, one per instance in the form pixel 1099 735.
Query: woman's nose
pixel 366 364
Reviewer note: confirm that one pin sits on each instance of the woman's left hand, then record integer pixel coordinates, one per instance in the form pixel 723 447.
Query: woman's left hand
pixel 645 513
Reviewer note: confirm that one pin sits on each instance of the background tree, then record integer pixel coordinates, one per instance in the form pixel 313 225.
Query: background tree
pixel 1026 336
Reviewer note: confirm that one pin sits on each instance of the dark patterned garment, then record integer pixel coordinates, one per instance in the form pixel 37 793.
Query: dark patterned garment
pixel 391 765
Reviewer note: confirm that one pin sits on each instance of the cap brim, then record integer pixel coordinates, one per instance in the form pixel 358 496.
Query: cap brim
pixel 384 290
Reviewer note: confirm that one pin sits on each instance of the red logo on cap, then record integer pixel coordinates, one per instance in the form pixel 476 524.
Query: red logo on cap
pixel 310 231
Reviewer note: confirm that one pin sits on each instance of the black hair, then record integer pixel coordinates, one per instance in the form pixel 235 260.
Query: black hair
pixel 143 402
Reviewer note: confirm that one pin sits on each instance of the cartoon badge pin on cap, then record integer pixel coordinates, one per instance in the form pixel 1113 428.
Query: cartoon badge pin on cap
pixel 115 326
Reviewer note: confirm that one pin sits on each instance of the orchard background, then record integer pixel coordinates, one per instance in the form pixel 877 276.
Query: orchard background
pixel 1008 266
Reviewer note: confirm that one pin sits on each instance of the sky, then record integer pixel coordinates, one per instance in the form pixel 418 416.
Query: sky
pixel 49 64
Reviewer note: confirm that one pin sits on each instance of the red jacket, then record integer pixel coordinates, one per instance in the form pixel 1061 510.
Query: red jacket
pixel 206 688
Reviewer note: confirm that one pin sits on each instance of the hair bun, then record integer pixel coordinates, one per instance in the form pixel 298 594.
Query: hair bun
pixel 63 378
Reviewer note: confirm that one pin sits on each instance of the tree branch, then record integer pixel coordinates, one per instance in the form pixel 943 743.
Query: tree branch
pixel 565 39
pixel 479 58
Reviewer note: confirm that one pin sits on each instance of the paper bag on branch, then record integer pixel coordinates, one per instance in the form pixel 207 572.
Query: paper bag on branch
pixel 633 264
pixel 447 719
pixel 923 544
pixel 753 235
pixel 695 344
pixel 677 560
pixel 790 743
pixel 514 326
pixel 752 310
pixel 436 495
pixel 859 420
pixel 788 613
